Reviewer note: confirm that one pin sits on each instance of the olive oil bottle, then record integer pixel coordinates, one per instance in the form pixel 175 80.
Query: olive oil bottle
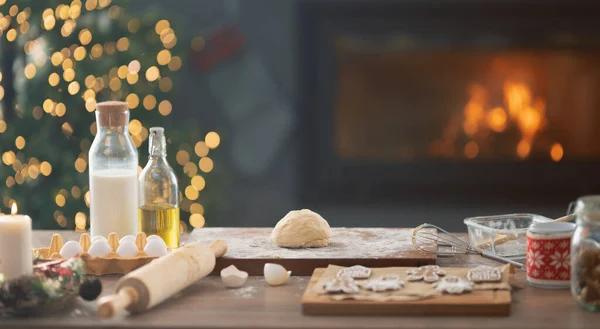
pixel 158 211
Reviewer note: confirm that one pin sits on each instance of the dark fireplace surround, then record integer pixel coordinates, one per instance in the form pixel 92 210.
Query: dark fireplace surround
pixel 326 177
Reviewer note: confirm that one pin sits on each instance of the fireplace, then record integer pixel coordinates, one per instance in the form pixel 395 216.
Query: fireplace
pixel 465 100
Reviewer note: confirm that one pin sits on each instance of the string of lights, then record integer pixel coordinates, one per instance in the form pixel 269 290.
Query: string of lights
pixel 67 56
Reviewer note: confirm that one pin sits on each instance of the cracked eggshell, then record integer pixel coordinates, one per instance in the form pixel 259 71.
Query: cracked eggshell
pixel 127 238
pixel 154 248
pixel 232 277
pixel 100 248
pixel 276 274
pixel 127 249
pixel 70 249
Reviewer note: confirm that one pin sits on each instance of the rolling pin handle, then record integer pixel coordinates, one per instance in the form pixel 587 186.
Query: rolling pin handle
pixel 111 305
pixel 218 247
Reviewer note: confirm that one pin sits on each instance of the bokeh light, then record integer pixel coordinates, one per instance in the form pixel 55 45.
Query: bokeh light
pixel 80 221
pixel 85 36
pixel 163 57
pixel 60 200
pixel 197 220
pixel 132 100
pixel 123 44
pixel 191 193
pixel 196 208
pixel 135 127
pixel 182 157
pixel 30 71
pixel 212 140
pixel 53 79
pixel 152 73
pixel 175 63
pixel 20 142
pixel 198 182
pixel 165 108
pixel 149 102
pixel 206 164
pixel 161 26
pixel 190 169
pixel 201 149
pixel 80 165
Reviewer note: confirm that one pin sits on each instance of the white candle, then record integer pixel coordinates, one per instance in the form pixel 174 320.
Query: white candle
pixel 15 245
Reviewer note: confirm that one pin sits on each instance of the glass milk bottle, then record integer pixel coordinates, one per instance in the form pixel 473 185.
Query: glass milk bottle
pixel 113 163
pixel 159 202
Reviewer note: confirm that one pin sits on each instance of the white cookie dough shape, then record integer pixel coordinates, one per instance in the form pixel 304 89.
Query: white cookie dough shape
pixel 386 283
pixel 357 272
pixel 484 273
pixel 427 273
pixel 453 284
pixel 341 285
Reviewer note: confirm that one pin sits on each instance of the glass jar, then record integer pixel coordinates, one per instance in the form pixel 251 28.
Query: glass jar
pixel 585 252
pixel 113 161
pixel 159 194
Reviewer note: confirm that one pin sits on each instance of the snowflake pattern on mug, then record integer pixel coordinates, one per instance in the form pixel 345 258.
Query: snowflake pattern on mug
pixel 549 259
pixel 560 259
pixel 536 258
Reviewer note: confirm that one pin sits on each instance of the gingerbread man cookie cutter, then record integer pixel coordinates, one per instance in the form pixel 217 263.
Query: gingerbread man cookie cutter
pixel 427 273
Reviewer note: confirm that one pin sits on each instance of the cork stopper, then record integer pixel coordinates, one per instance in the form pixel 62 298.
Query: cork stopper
pixel 112 113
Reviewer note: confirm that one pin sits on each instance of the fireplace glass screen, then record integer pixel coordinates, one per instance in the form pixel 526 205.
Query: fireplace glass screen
pixel 396 105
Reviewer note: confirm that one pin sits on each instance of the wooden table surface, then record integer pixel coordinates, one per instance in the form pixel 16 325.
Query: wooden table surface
pixel 207 304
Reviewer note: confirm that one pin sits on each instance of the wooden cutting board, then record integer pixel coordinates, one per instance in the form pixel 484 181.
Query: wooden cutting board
pixel 250 248
pixel 476 303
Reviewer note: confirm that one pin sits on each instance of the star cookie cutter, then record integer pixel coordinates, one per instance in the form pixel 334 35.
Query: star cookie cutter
pixel 427 273
pixel 453 284
pixel 388 282
pixel 484 274
pixel 357 272
pixel 343 285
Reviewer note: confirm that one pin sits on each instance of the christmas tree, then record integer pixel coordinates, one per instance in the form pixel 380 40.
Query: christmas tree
pixel 58 58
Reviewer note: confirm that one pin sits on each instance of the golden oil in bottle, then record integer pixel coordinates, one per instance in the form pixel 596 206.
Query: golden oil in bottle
pixel 158 192
pixel 162 220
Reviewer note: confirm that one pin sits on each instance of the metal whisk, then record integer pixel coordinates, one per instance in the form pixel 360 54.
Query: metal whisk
pixel 435 240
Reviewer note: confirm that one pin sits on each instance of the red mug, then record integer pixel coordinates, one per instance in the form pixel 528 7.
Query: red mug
pixel 549 255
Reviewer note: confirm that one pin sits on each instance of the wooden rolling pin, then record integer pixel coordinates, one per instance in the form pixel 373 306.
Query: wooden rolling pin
pixel 151 284
pixel 501 239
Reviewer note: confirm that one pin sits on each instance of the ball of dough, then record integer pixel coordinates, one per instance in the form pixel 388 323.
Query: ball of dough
pixel 301 229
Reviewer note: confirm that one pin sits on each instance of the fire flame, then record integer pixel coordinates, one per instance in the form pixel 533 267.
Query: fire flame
pixel 14 209
pixel 520 109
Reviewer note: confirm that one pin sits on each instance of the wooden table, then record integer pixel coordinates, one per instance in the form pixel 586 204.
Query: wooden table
pixel 208 305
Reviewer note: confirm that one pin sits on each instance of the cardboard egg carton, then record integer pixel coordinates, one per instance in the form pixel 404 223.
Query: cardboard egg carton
pixel 110 264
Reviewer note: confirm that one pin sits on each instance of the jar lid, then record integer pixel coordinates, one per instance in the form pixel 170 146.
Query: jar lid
pixel 552 228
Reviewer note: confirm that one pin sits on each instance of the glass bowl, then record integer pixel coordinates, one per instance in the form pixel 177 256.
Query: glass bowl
pixel 502 235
